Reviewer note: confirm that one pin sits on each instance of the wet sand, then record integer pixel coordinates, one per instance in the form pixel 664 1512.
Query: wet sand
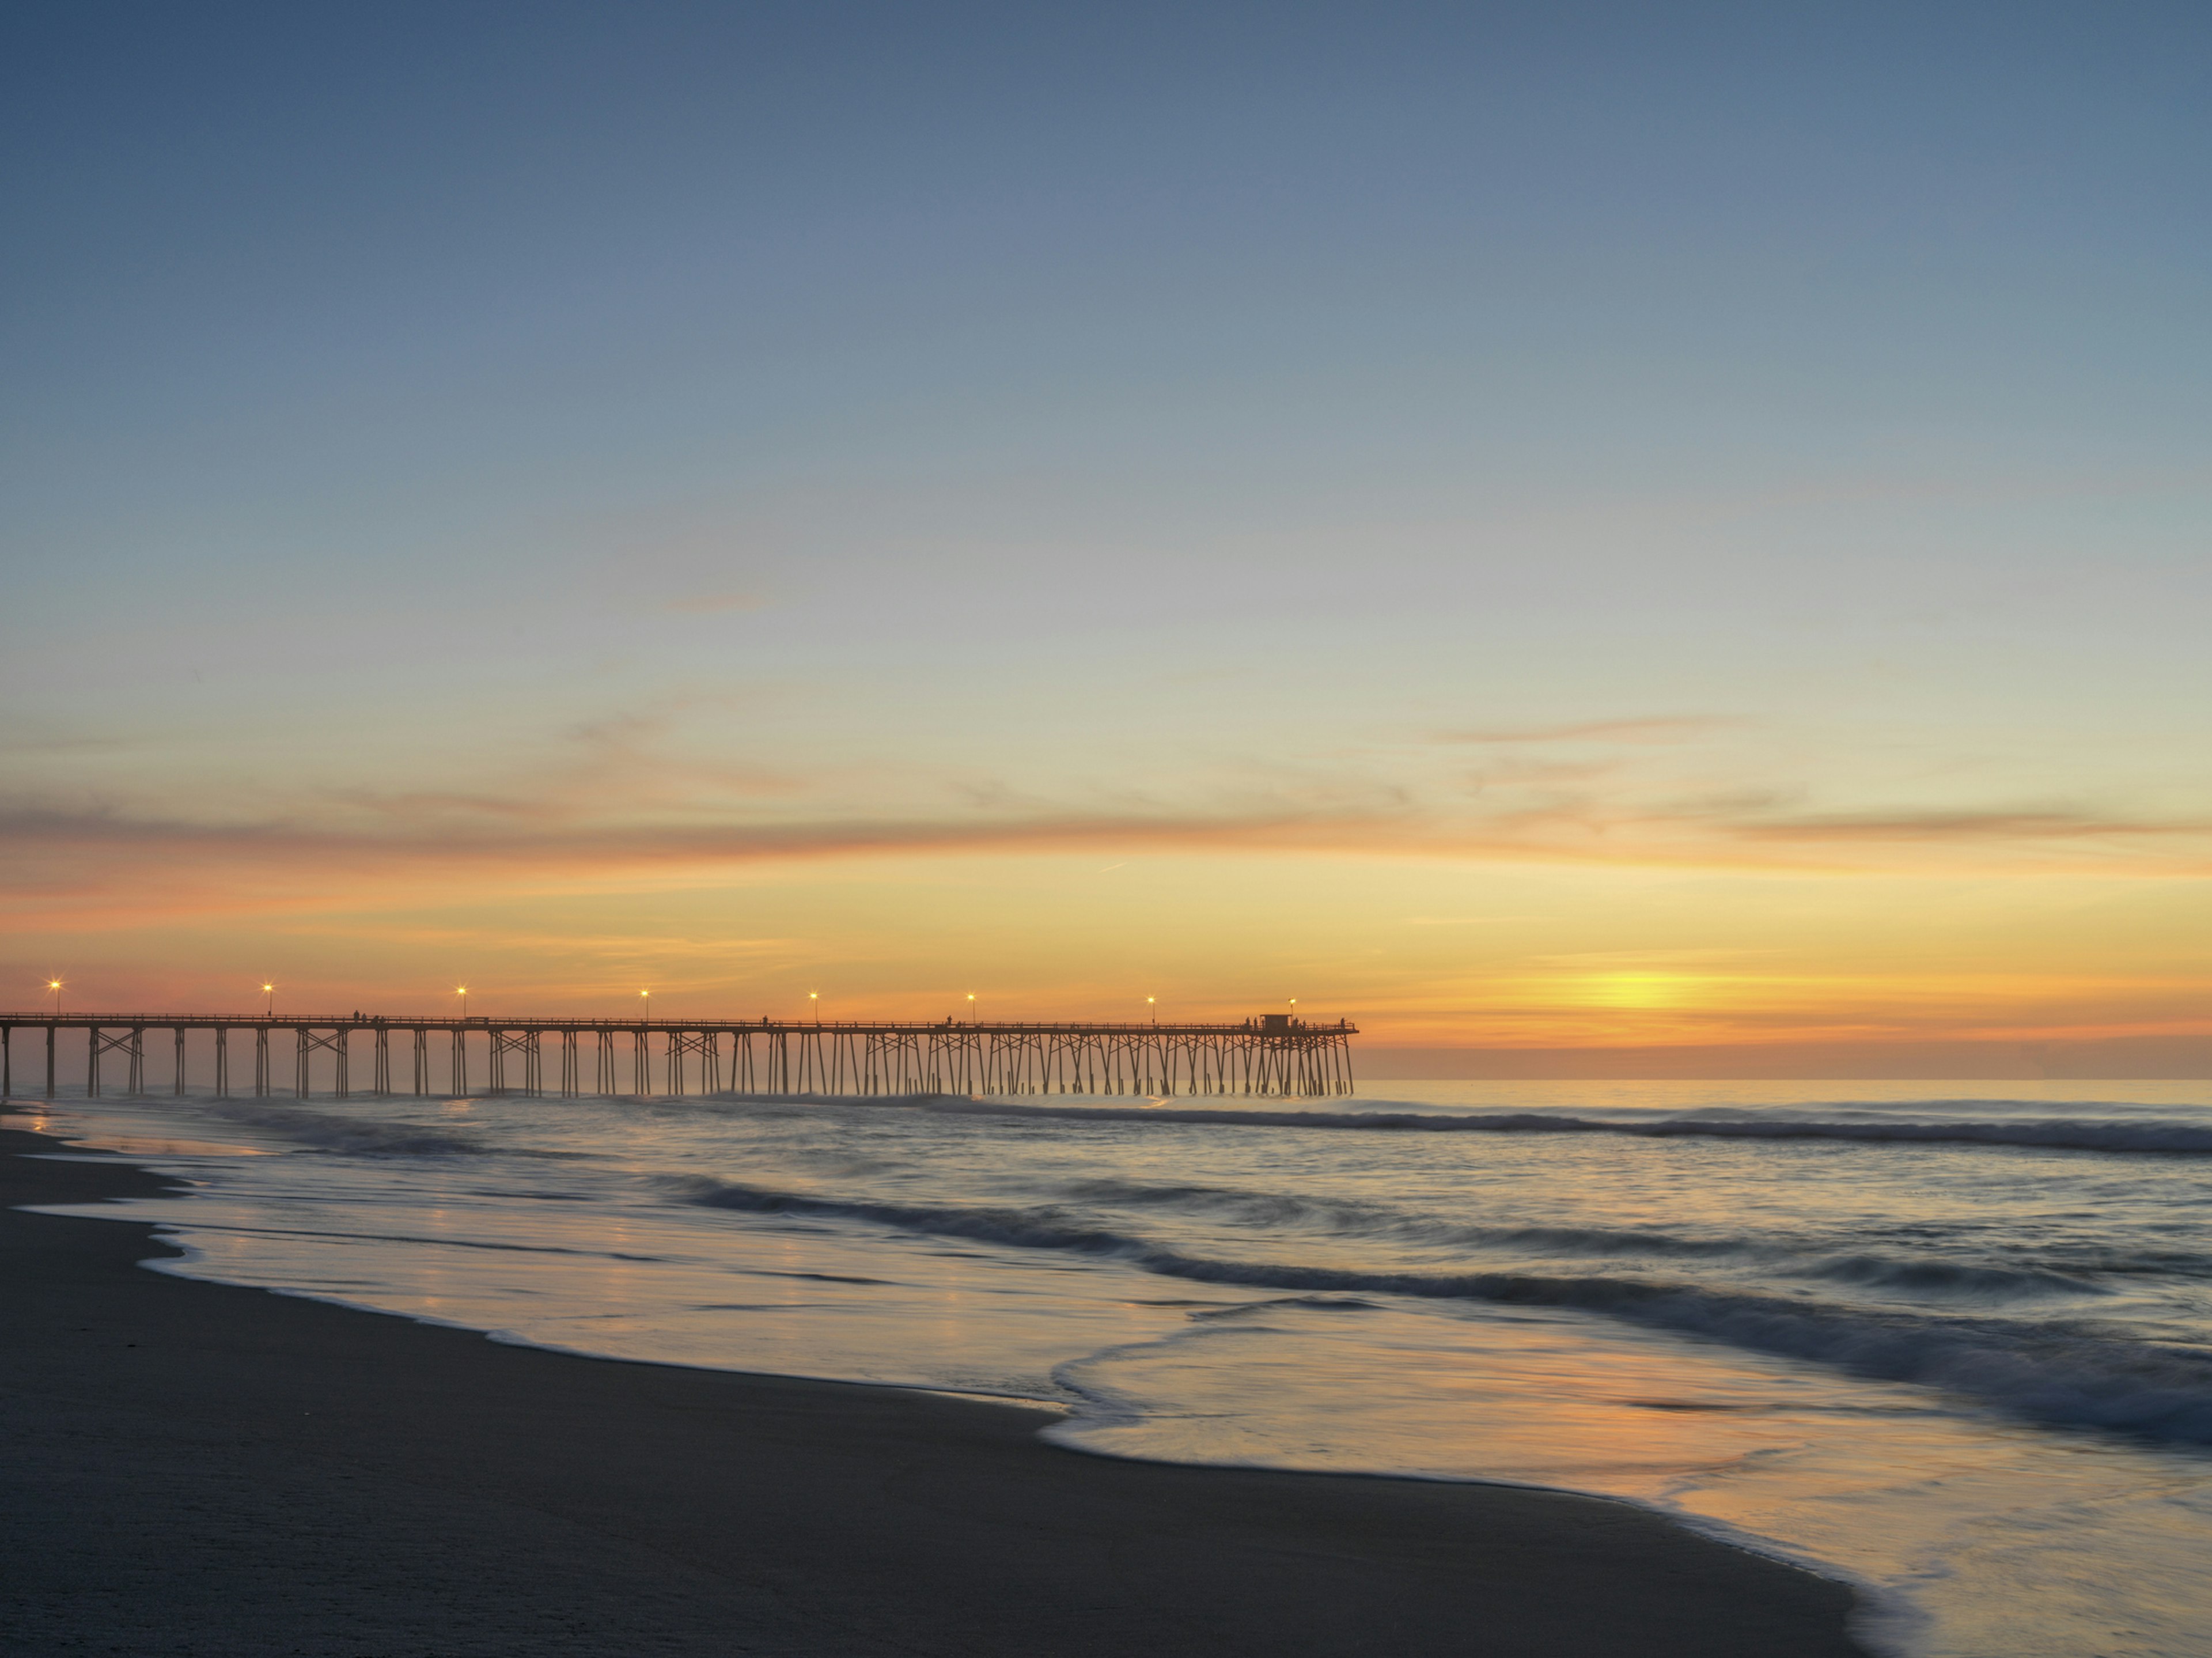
pixel 195 1468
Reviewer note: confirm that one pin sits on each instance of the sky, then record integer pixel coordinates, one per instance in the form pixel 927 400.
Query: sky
pixel 1585 539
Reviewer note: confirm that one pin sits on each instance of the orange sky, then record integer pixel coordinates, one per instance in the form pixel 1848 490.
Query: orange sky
pixel 1703 966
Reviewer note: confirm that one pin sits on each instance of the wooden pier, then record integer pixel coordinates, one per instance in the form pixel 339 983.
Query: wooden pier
pixel 1273 1053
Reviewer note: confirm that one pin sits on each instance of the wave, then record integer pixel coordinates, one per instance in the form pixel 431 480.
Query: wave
pixel 1811 1258
pixel 1346 1217
pixel 2091 1134
pixel 333 1131
pixel 1876 1272
pixel 1039 1228
pixel 2043 1372
pixel 1803 1257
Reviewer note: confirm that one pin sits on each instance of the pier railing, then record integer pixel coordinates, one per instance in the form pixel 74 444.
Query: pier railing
pixel 1270 1054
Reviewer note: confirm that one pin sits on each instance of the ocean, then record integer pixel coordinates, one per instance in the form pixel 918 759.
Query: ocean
pixel 1952 1343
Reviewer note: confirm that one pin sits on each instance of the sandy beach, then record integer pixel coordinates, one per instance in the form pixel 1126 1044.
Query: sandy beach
pixel 196 1468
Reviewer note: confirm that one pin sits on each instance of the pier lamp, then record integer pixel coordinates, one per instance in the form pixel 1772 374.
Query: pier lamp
pixel 648 995
pixel 815 997
pixel 462 991
pixel 55 985
pixel 1152 1007
pixel 270 991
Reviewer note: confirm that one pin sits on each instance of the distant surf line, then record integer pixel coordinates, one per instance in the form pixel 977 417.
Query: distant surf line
pixel 2160 1138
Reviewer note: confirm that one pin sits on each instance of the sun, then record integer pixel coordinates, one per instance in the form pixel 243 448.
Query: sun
pixel 1639 991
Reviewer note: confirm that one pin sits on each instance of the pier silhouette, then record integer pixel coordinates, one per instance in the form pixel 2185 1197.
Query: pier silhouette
pixel 1273 1053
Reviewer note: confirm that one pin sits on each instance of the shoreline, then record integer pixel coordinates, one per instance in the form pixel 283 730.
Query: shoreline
pixel 194 1467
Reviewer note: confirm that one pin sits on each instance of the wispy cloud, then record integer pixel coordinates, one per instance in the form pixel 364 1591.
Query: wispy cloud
pixel 669 791
pixel 88 833
pixel 102 867
pixel 1983 826
pixel 1668 728
pixel 109 866
pixel 621 757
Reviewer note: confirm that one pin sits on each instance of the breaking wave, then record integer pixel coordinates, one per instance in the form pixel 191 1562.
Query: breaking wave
pixel 332 1131
pixel 2053 1374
